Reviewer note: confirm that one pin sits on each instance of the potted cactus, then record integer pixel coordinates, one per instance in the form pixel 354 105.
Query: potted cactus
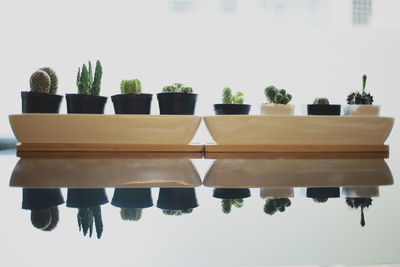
pixel 43 204
pixel 360 104
pixel 278 102
pixel 88 202
pixel 132 201
pixel 131 100
pixel 321 106
pixel 231 197
pixel 88 99
pixel 322 194
pixel 177 201
pixel 359 202
pixel 177 99
pixel 42 98
pixel 231 104
pixel 272 205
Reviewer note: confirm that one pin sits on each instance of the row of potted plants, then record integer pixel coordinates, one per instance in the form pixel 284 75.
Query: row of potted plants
pixel 174 99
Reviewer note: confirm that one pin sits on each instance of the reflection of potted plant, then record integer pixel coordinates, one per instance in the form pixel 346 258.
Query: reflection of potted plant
pixel 177 99
pixel 231 104
pixel 360 104
pixel 272 205
pixel 361 202
pixel 177 201
pixel 88 99
pixel 131 100
pixel 231 197
pixel 322 194
pixel 278 102
pixel 132 201
pixel 88 201
pixel 321 106
pixel 42 98
pixel 43 204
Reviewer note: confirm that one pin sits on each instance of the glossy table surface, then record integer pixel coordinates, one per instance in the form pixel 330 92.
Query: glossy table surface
pixel 306 233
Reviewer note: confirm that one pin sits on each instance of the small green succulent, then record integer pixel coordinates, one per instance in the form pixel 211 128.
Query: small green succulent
pixel 40 82
pixel 177 88
pixel 89 216
pixel 362 202
pixel 86 83
pixel 131 86
pixel 272 205
pixel 321 101
pixel 277 96
pixel 362 98
pixel 131 214
pixel 228 98
pixel 177 212
pixel 45 219
pixel 227 204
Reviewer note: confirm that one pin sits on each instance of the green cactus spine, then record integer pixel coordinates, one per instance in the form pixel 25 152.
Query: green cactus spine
pixel 86 83
pixel 131 86
pixel 53 79
pixel 40 82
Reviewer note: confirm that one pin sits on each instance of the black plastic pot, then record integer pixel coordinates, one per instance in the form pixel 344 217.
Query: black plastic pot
pixel 177 198
pixel 323 192
pixel 33 102
pixel 177 103
pixel 231 109
pixel 231 193
pixel 132 198
pixel 86 197
pixel 85 104
pixel 41 198
pixel 322 109
pixel 132 103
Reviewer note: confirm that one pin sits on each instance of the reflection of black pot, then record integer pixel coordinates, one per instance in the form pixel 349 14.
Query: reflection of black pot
pixel 132 103
pixel 177 103
pixel 85 104
pixel 132 198
pixel 231 109
pixel 177 198
pixel 231 193
pixel 323 192
pixel 323 109
pixel 41 198
pixel 34 102
pixel 86 197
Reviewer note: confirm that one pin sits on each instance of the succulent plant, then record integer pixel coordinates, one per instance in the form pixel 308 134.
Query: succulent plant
pixel 41 218
pixel 86 83
pixel 177 212
pixel 40 82
pixel 320 199
pixel 131 86
pixel 53 79
pixel 131 214
pixel 228 98
pixel 362 202
pixel 86 218
pixel 277 96
pixel 272 205
pixel 226 204
pixel 177 88
pixel 321 101
pixel 362 98
pixel 55 218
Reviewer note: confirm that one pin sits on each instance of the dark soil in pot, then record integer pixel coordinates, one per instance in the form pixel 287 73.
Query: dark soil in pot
pixel 132 198
pixel 132 103
pixel 177 103
pixel 34 102
pixel 231 193
pixel 86 197
pixel 321 109
pixel 41 198
pixel 85 104
pixel 232 109
pixel 177 198
pixel 323 192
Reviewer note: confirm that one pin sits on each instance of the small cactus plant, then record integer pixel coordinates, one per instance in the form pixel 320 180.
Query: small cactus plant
pixel 53 79
pixel 362 202
pixel 228 98
pixel 86 83
pixel 131 86
pixel 226 204
pixel 177 212
pixel 321 101
pixel 362 98
pixel 40 82
pixel 86 218
pixel 272 205
pixel 45 219
pixel 177 88
pixel 277 96
pixel 131 214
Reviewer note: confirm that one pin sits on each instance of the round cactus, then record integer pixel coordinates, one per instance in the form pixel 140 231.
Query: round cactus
pixel 55 218
pixel 40 82
pixel 53 79
pixel 41 218
pixel 131 86
pixel 131 214
pixel 321 101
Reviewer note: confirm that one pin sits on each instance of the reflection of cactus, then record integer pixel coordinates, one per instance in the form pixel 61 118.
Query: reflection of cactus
pixel 86 217
pixel 272 205
pixel 320 199
pixel 362 202
pixel 360 98
pixel 177 88
pixel 227 204
pixel 131 214
pixel 53 79
pixel 177 212
pixel 87 85
pixel 131 87
pixel 277 96
pixel 228 98
pixel 321 101
pixel 45 219
pixel 40 82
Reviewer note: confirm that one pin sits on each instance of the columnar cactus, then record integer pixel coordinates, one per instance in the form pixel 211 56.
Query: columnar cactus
pixel 321 101
pixel 131 86
pixel 177 88
pixel 53 79
pixel 362 98
pixel 86 218
pixel 277 96
pixel 40 82
pixel 87 85
pixel 131 214
pixel 228 98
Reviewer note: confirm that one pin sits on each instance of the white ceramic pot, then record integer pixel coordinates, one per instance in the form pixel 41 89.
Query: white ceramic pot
pixel 277 192
pixel 363 110
pixel 361 191
pixel 277 109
